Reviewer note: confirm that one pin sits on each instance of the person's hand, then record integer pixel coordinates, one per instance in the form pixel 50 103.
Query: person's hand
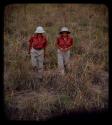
pixel 61 49
pixel 64 50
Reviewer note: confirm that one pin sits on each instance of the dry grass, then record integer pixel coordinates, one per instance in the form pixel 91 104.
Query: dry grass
pixel 83 88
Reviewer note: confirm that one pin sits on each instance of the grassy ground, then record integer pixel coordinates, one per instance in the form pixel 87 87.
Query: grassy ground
pixel 84 88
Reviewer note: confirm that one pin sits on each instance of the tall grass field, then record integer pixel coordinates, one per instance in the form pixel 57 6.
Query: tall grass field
pixel 84 88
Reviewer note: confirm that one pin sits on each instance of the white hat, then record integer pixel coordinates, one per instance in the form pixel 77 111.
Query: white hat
pixel 64 29
pixel 39 29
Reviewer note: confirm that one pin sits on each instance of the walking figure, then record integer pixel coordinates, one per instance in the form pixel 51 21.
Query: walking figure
pixel 37 45
pixel 64 43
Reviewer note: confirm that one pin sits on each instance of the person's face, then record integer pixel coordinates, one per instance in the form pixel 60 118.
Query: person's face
pixel 39 34
pixel 64 34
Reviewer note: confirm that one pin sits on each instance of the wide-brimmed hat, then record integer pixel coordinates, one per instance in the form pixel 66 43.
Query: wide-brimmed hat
pixel 64 29
pixel 39 29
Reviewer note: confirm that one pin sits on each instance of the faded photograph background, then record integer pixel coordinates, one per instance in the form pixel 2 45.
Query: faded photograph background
pixel 84 88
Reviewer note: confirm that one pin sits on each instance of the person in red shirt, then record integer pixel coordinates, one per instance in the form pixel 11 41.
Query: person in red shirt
pixel 37 45
pixel 64 43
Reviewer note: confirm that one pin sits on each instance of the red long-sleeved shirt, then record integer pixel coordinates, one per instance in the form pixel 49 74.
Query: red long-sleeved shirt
pixel 64 42
pixel 37 42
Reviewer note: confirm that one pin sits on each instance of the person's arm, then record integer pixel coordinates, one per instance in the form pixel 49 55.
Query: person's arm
pixel 66 49
pixel 56 44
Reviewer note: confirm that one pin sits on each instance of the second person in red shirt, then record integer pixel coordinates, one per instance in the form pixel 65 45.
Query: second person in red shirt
pixel 64 43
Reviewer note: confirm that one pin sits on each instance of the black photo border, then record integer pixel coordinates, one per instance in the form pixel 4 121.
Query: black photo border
pixel 94 117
